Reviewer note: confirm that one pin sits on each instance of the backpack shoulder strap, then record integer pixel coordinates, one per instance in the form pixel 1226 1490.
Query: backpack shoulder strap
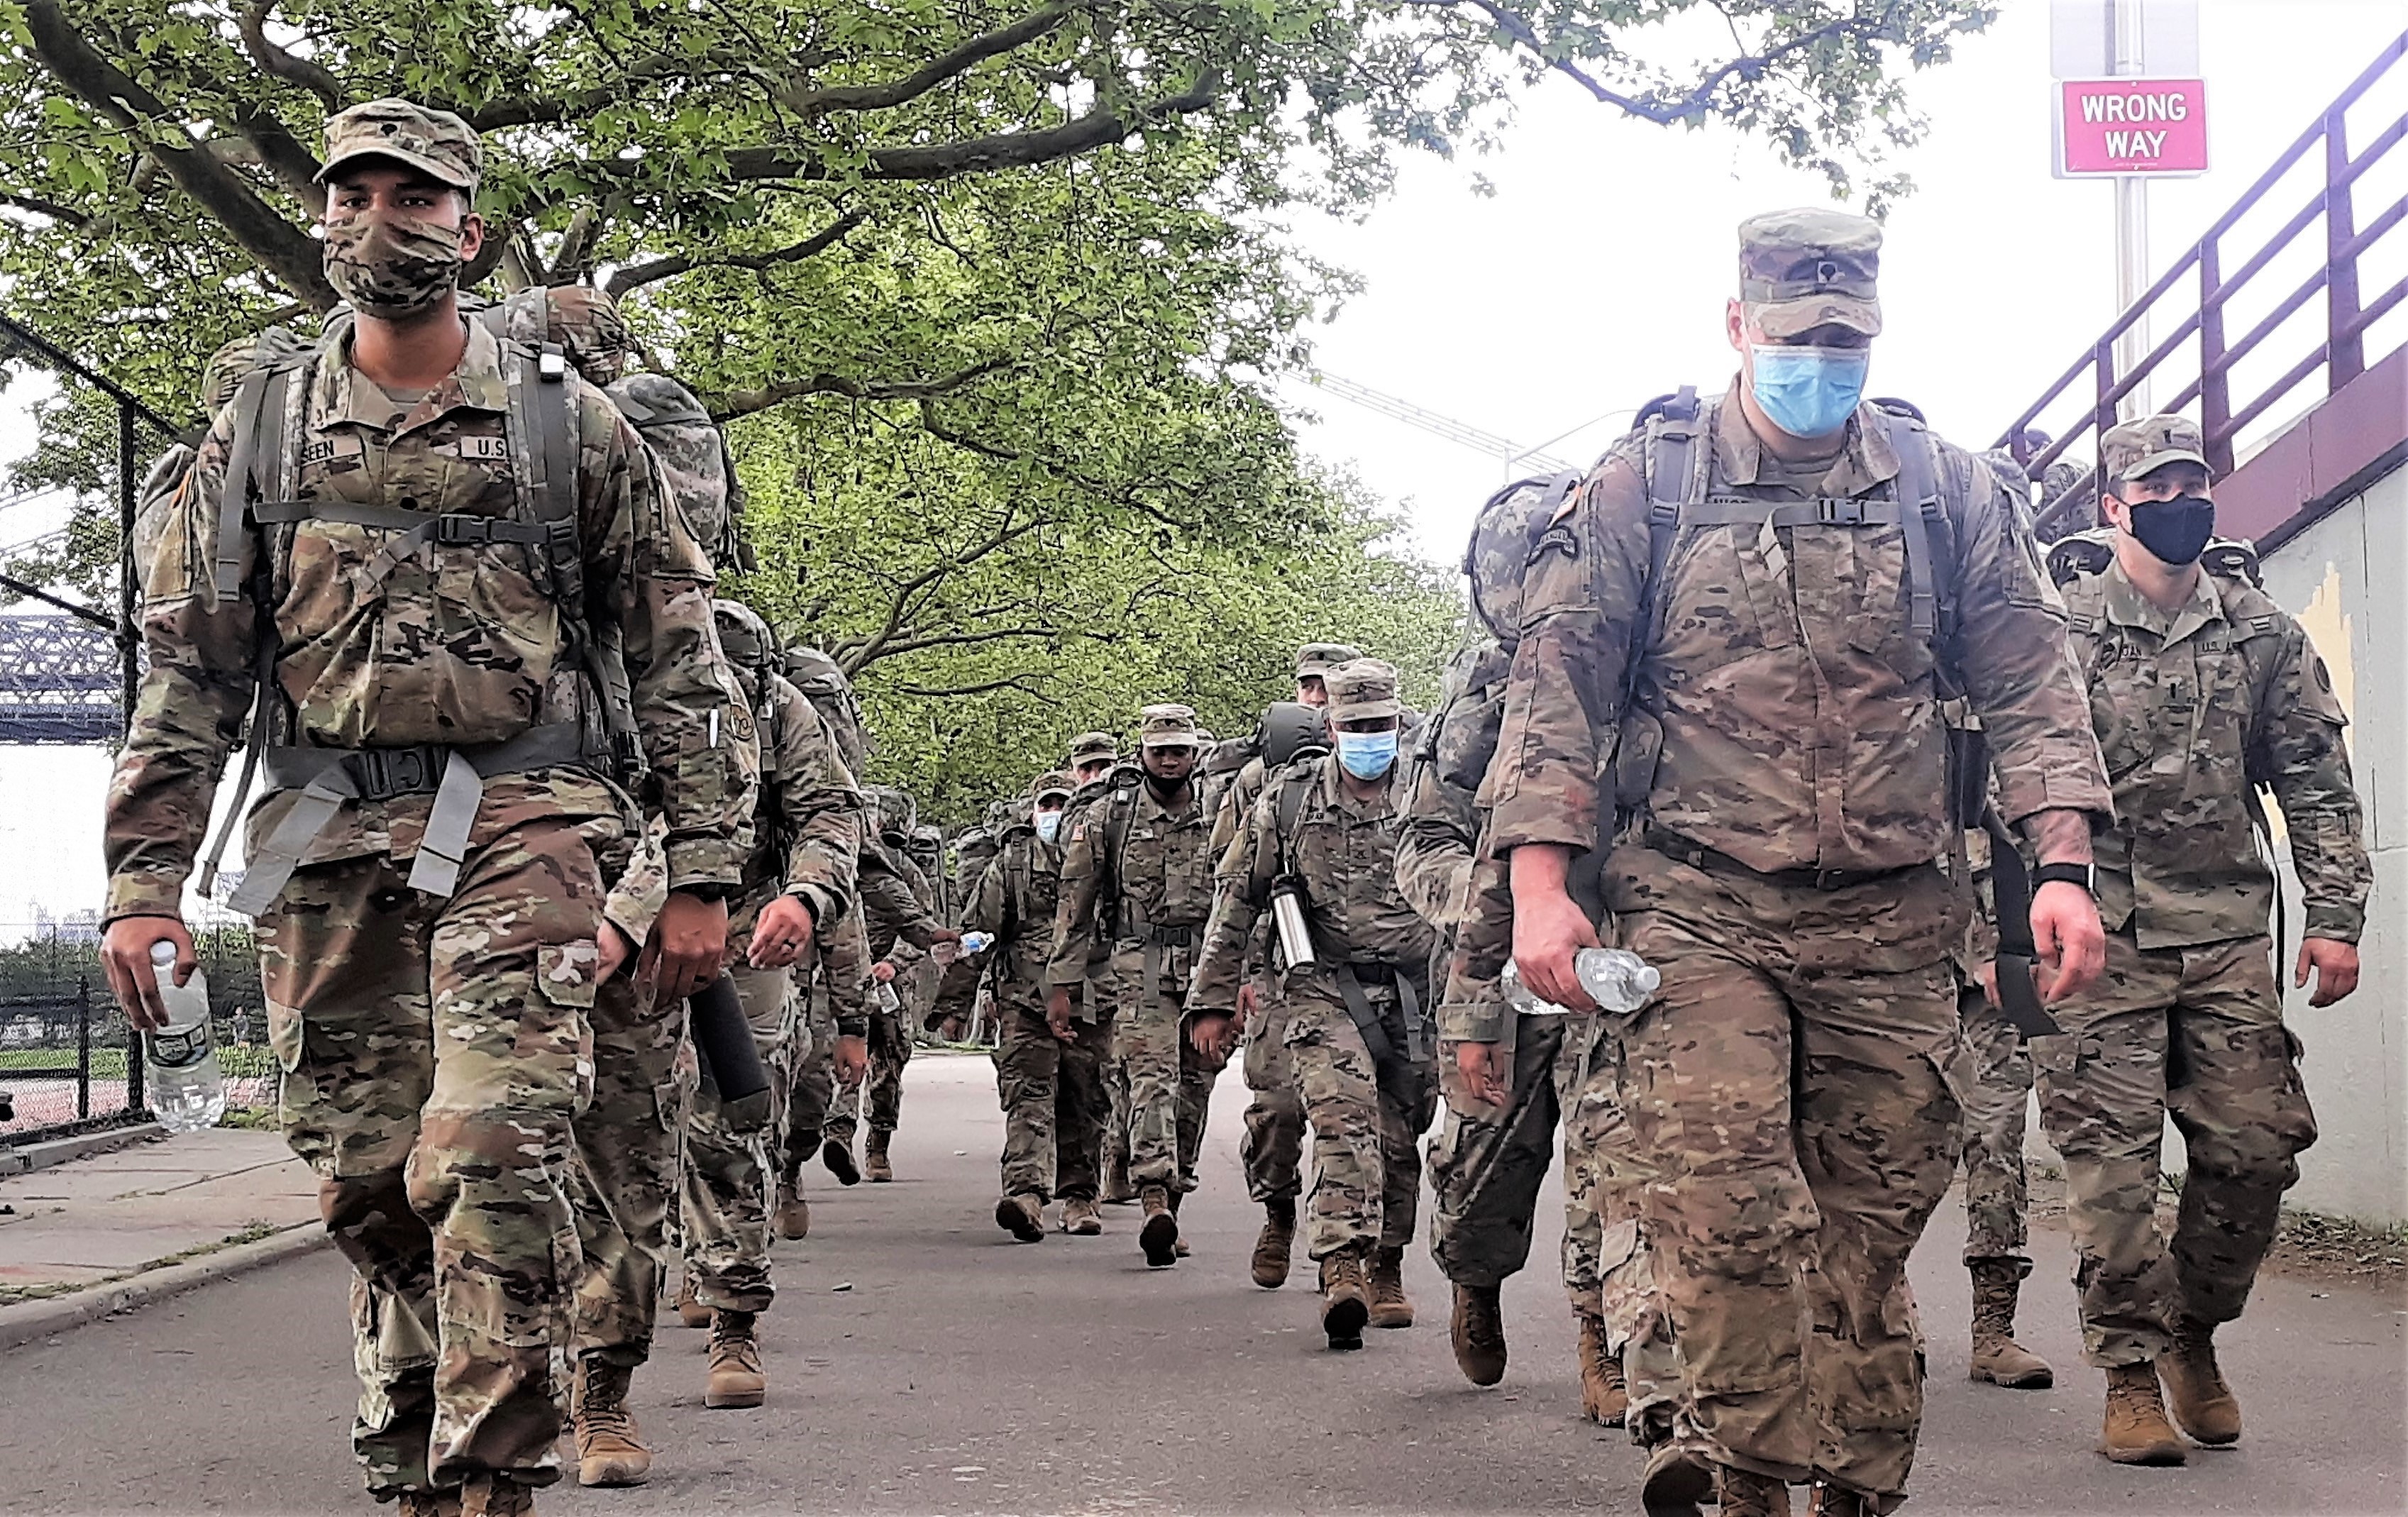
pixel 257 468
pixel 1293 782
pixel 1676 467
pixel 542 421
pixel 1918 501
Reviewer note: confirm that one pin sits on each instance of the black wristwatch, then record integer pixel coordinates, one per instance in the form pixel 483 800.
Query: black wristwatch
pixel 2085 875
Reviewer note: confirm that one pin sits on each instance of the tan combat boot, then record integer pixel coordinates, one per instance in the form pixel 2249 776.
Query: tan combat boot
pixel 794 1212
pixel 1997 1356
pixel 1023 1217
pixel 1117 1191
pixel 1275 1243
pixel 691 1310
pixel 1082 1218
pixel 837 1154
pixel 1346 1299
pixel 1478 1332
pixel 495 1496
pixel 1390 1305
pixel 874 1166
pixel 1180 1248
pixel 2136 1430
pixel 1745 1493
pixel 427 1504
pixel 2202 1404
pixel 736 1378
pixel 1605 1398
pixel 1159 1233
pixel 1676 1483
pixel 607 1451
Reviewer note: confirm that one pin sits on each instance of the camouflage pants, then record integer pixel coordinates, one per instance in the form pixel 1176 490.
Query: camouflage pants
pixel 1998 1095
pixel 724 1195
pixel 890 1050
pixel 1273 1151
pixel 2196 1034
pixel 627 1172
pixel 1608 1267
pixel 1790 1085
pixel 1485 1169
pixel 434 1049
pixel 810 1090
pixel 1053 1098
pixel 1367 1164
pixel 1169 1083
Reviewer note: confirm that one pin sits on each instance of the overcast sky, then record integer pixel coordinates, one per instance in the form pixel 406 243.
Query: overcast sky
pixel 1595 278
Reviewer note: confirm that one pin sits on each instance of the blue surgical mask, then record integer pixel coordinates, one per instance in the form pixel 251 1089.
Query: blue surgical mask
pixel 1049 824
pixel 1810 392
pixel 1367 755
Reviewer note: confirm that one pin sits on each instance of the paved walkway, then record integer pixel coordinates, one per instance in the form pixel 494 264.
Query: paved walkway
pixel 921 1362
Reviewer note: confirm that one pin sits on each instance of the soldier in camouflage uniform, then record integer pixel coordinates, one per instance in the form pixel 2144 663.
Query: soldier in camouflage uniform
pixel 1138 876
pixel 429 912
pixel 2202 690
pixel 1358 1017
pixel 1273 1151
pixel 1091 758
pixel 1765 710
pixel 799 876
pixel 903 934
pixel 1052 1090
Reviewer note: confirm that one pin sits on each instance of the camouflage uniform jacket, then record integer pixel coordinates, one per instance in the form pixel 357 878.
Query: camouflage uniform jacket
pixel 1799 708
pixel 457 645
pixel 806 837
pixel 1015 899
pixel 2194 708
pixel 1439 860
pixel 1344 851
pixel 1162 881
pixel 894 903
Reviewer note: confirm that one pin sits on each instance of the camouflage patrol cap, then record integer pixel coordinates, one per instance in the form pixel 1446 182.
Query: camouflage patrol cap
pixel 1809 267
pixel 1363 690
pixel 1053 783
pixel 2136 447
pixel 1090 746
pixel 1167 724
pixel 436 143
pixel 1316 660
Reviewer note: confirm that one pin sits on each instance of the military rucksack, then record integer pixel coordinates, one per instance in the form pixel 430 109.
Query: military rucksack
pixel 694 455
pixel 822 683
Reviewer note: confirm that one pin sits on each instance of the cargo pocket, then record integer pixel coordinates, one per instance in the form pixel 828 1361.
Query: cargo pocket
pixel 284 1037
pixel 555 1051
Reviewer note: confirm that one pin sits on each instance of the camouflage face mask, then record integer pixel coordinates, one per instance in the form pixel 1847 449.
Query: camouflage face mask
pixel 391 265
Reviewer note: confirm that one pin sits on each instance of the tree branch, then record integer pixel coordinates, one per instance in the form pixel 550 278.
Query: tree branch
pixel 551 110
pixel 275 60
pixel 66 215
pixel 568 266
pixel 877 645
pixel 978 50
pixel 1022 682
pixel 737 403
pixel 668 268
pixel 897 646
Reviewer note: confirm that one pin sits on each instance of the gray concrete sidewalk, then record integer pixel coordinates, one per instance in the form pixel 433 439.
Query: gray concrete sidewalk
pixel 103 1219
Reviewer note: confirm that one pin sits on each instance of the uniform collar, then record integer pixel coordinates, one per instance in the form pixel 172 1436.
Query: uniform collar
pixel 1333 790
pixel 2125 605
pixel 345 395
pixel 1866 458
pixel 1145 800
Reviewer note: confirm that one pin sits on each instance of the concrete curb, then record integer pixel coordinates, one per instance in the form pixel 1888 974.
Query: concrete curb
pixel 33 1156
pixel 30 1321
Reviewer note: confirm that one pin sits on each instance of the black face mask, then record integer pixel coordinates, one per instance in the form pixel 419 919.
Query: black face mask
pixel 1165 791
pixel 2176 530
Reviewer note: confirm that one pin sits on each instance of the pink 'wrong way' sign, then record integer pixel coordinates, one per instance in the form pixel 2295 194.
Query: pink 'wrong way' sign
pixel 2131 126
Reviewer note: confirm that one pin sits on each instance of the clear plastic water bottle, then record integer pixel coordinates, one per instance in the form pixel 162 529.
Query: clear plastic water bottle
pixel 888 1001
pixel 1522 998
pixel 1615 979
pixel 977 942
pixel 180 1060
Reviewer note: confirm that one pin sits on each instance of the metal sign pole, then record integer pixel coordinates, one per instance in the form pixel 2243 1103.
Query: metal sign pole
pixel 2124 45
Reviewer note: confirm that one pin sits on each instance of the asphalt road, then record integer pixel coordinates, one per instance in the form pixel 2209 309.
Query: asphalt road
pixel 922 1362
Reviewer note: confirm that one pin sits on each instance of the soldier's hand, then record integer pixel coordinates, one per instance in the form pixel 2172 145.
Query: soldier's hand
pixel 1057 1013
pixel 883 971
pixel 1487 1072
pixel 1989 977
pixel 688 943
pixel 850 1061
pixel 612 948
pixel 945 946
pixel 125 953
pixel 1246 1002
pixel 2071 942
pixel 1549 927
pixel 1213 1034
pixel 2336 967
pixel 783 934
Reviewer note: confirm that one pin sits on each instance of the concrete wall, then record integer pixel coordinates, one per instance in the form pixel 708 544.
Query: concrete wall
pixel 2346 579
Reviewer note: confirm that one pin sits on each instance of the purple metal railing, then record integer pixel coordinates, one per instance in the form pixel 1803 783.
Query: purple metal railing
pixel 2341 354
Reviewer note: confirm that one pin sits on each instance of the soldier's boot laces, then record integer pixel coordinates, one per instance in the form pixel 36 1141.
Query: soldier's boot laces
pixel 1082 1218
pixel 1023 1217
pixel 690 1310
pixel 495 1496
pixel 793 1213
pixel 1743 1492
pixel 1180 1248
pixel 2202 1404
pixel 1839 1501
pixel 1478 1333
pixel 1676 1482
pixel 874 1165
pixel 1390 1305
pixel 1276 1243
pixel 2136 1431
pixel 1158 1235
pixel 736 1378
pixel 427 1504
pixel 837 1154
pixel 1605 1398
pixel 1346 1299
pixel 607 1451
pixel 1997 1358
